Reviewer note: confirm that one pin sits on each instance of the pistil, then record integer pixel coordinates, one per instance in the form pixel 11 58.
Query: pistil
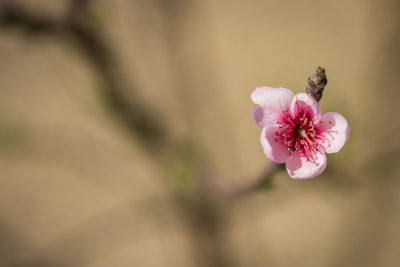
pixel 302 132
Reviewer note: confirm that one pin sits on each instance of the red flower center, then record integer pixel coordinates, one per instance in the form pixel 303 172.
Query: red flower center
pixel 299 133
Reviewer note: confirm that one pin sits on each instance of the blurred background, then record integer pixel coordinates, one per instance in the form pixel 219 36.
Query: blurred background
pixel 121 121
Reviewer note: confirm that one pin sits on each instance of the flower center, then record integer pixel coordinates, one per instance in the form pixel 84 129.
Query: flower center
pixel 298 133
pixel 302 133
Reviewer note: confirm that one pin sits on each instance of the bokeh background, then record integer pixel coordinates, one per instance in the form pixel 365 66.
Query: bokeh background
pixel 118 118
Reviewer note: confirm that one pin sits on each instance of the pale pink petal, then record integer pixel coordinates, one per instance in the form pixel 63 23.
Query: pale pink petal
pixel 272 102
pixel 300 168
pixel 273 149
pixel 277 98
pixel 265 116
pixel 336 130
pixel 303 100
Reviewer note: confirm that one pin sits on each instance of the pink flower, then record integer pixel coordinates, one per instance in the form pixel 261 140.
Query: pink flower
pixel 294 130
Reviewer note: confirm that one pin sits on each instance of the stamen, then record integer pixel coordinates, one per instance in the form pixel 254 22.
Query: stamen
pixel 304 123
pixel 291 122
pixel 298 132
pixel 308 141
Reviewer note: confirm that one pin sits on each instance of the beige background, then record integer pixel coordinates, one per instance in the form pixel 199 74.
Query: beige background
pixel 76 189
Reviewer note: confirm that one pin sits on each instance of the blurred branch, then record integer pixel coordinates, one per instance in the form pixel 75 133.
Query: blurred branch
pixel 260 182
pixel 77 25
pixel 11 14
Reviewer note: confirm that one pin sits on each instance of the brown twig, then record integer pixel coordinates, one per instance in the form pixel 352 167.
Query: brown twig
pixel 316 83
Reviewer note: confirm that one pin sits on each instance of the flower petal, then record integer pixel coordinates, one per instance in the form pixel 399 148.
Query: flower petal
pixel 336 129
pixel 272 102
pixel 304 100
pixel 274 150
pixel 278 98
pixel 300 168
pixel 264 116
